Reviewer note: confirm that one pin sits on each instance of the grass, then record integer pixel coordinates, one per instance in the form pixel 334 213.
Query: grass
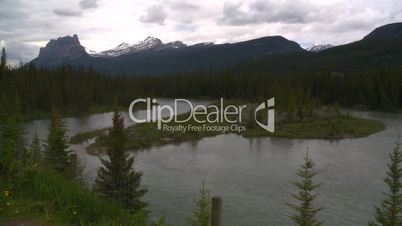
pixel 344 127
pixel 145 135
pixel 81 137
pixel 46 198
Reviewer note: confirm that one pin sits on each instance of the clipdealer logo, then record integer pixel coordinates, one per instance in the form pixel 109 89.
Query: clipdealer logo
pixel 229 117
pixel 269 104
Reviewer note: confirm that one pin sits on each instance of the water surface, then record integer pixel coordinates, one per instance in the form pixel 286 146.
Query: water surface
pixel 253 176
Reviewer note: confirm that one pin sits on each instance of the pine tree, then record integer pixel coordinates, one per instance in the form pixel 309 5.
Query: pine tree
pixel 202 214
pixel 305 211
pixel 11 141
pixel 117 179
pixel 56 154
pixel 3 60
pixel 390 212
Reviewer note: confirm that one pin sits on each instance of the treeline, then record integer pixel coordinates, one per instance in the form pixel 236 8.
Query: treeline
pixel 376 89
pixel 81 90
pixel 69 89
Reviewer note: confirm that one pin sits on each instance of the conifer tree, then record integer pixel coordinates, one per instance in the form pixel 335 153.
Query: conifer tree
pixel 11 141
pixel 117 179
pixel 202 213
pixel 56 154
pixel 390 211
pixel 305 212
pixel 3 60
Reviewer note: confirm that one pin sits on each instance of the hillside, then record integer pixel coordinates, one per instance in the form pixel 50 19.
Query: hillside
pixel 382 47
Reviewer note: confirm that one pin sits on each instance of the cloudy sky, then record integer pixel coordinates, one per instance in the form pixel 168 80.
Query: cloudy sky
pixel 26 25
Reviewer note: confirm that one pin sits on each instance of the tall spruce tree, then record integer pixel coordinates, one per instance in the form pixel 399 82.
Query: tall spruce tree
pixel 305 212
pixel 11 141
pixel 390 211
pixel 117 179
pixel 56 154
pixel 3 59
pixel 202 213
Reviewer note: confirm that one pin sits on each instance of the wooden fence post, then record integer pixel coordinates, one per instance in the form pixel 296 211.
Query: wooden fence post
pixel 216 211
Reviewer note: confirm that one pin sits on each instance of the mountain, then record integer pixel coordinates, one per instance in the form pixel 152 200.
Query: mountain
pixel 318 48
pixel 153 57
pixel 61 50
pixel 385 32
pixel 382 47
pixel 148 44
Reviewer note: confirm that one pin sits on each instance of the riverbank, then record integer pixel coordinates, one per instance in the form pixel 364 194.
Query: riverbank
pixel 340 128
pixel 92 110
pixel 97 109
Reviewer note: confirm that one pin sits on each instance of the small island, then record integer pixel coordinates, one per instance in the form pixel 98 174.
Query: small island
pixel 313 122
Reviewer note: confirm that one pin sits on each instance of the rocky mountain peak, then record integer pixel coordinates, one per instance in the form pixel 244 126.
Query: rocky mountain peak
pixel 319 48
pixel 61 49
pixel 150 43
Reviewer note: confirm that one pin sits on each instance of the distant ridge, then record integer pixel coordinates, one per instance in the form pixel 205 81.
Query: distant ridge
pixel 386 31
pixel 153 57
pixel 381 47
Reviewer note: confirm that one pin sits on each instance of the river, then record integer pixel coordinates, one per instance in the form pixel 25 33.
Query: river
pixel 254 176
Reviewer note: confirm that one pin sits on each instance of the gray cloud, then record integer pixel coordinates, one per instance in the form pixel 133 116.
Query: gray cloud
pixel 67 12
pixel 25 24
pixel 20 52
pixel 88 4
pixel 182 5
pixel 155 14
pixel 185 27
pixel 264 11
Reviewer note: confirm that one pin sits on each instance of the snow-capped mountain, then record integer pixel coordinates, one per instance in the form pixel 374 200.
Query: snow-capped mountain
pixel 150 43
pixel 318 48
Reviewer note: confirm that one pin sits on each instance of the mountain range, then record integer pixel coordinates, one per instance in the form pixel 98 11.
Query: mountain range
pixel 273 53
pixel 150 43
pixel 319 48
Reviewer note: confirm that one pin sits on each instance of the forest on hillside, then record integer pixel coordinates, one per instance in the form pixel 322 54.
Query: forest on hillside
pixel 79 90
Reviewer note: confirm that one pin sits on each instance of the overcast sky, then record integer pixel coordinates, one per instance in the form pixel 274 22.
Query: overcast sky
pixel 26 25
